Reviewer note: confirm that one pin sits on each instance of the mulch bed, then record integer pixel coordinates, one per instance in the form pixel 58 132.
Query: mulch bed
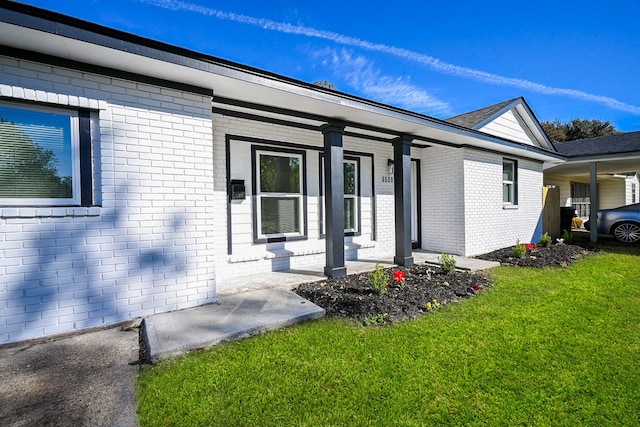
pixel 424 288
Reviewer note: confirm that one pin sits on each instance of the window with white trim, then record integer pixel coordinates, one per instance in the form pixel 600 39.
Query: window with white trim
pixel 279 194
pixel 40 160
pixel 510 182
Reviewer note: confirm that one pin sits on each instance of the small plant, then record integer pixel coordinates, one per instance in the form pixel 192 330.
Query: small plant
pixel 545 240
pixel 379 279
pixel 447 262
pixel 476 289
pixel 564 263
pixel 519 250
pixel 398 278
pixel 376 319
pixel 433 305
pixel 567 236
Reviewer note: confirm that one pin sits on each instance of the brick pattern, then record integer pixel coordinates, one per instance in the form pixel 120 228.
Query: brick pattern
pixel 489 225
pixel 443 208
pixel 148 247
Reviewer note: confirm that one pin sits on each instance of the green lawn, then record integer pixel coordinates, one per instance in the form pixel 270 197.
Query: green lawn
pixel 541 347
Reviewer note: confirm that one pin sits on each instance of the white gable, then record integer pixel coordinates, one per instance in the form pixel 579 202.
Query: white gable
pixel 510 125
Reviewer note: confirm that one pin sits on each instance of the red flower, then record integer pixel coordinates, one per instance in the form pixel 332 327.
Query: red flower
pixel 531 246
pixel 398 276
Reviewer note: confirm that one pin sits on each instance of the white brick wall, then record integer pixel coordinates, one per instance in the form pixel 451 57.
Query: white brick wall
pixel 149 247
pixel 443 206
pixel 489 225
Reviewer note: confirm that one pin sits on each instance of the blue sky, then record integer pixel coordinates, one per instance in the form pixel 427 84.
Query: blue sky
pixel 568 59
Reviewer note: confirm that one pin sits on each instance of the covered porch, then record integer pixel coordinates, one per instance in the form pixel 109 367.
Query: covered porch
pixel 289 279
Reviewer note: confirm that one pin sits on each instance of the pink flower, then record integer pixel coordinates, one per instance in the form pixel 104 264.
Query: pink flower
pixel 398 276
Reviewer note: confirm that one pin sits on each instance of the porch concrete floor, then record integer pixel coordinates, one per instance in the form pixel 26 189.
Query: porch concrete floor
pixel 252 304
pixel 288 279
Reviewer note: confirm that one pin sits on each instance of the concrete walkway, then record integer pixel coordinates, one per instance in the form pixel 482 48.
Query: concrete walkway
pixel 232 317
pixel 248 305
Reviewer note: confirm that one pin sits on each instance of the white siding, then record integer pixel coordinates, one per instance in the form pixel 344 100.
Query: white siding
pixel 564 184
pixel 612 193
pixel 511 127
pixel 147 247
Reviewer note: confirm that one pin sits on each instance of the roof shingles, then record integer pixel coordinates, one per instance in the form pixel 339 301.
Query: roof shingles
pixel 612 144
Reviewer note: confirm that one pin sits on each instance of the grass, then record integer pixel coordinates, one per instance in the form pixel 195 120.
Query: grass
pixel 541 347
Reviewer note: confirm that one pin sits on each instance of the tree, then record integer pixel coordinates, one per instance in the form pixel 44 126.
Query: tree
pixel 576 128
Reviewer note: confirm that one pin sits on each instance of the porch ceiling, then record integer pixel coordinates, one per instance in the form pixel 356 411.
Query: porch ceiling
pixel 610 164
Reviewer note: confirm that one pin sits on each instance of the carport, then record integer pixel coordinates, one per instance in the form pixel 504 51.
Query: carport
pixel 596 159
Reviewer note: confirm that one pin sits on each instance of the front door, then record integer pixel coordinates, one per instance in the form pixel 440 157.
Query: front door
pixel 416 227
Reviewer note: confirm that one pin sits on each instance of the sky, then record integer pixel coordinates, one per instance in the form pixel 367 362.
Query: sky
pixel 568 59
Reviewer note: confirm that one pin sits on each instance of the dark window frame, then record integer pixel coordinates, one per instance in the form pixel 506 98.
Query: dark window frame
pixel 84 143
pixel 350 232
pixel 258 239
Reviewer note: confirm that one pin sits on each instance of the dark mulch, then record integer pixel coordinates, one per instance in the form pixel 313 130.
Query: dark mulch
pixel 425 288
pixel 553 256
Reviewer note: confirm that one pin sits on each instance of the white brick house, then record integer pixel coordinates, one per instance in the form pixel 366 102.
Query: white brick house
pixel 175 169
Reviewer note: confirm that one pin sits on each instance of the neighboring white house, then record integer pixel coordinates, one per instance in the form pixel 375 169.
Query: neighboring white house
pixel 135 174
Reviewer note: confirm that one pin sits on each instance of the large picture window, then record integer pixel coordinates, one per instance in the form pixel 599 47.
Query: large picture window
pixel 510 182
pixel 279 194
pixel 39 156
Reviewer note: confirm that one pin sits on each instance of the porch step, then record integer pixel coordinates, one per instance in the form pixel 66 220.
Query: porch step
pixel 232 317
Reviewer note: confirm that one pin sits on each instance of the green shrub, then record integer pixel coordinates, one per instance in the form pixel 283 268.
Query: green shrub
pixel 545 240
pixel 447 262
pixel 519 250
pixel 379 279
pixel 567 236
pixel 376 319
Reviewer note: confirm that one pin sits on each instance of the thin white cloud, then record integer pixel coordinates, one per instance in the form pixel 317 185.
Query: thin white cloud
pixel 361 74
pixel 430 61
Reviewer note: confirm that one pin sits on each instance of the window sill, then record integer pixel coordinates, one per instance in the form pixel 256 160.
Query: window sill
pixel 509 207
pixel 49 212
pixel 280 239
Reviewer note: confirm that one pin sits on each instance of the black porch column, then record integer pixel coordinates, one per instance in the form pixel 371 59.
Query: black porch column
pixel 594 199
pixel 402 196
pixel 334 199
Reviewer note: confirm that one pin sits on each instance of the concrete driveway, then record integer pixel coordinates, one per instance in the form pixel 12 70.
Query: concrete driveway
pixel 80 380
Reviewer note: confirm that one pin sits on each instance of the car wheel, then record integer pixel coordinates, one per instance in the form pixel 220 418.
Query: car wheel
pixel 627 232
